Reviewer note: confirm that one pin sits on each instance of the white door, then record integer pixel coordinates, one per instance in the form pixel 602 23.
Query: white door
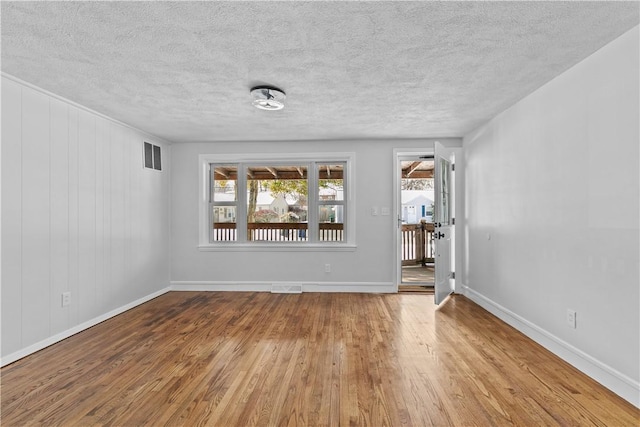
pixel 443 221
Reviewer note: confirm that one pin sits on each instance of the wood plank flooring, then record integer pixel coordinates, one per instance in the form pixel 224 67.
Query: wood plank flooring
pixel 243 359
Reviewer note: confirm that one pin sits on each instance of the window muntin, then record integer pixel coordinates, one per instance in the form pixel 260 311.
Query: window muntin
pixel 306 202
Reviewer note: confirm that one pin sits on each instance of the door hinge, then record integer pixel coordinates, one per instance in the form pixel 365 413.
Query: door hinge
pixel 453 166
pixel 453 221
pixel 453 274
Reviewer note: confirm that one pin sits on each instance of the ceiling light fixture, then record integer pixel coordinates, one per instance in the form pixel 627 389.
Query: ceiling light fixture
pixel 268 98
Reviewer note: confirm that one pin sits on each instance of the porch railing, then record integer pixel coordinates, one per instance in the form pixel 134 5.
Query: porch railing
pixel 278 232
pixel 417 239
pixel 417 243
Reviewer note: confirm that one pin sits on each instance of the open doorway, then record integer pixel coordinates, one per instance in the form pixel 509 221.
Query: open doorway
pixel 415 217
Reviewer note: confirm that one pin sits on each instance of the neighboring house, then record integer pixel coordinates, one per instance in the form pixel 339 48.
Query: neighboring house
pixel 416 206
pixel 278 204
pixel 329 213
pixel 265 202
pixel 224 213
pixel 331 194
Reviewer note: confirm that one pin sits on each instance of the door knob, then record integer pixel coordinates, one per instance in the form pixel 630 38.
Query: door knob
pixel 439 235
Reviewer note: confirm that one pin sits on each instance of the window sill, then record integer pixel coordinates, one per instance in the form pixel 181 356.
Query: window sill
pixel 277 247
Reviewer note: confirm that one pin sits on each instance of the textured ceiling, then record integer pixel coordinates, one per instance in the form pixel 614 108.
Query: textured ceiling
pixel 351 70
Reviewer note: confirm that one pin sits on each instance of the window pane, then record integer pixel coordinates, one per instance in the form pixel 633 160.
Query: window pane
pixel 330 181
pixel 224 223
pixel 444 209
pixel 331 223
pixel 277 203
pixel 225 181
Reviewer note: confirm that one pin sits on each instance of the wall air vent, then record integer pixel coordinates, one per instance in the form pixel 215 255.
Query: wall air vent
pixel 152 156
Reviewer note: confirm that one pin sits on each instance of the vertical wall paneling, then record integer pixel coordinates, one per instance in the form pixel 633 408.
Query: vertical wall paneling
pixel 117 214
pixel 135 197
pixel 147 222
pixel 11 217
pixel 73 209
pixel 87 208
pixel 128 241
pixel 101 130
pixel 107 291
pixel 73 266
pixel 59 245
pixel 35 215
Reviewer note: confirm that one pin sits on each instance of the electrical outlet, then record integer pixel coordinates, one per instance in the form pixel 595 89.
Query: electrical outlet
pixel 66 299
pixel 327 268
pixel 571 318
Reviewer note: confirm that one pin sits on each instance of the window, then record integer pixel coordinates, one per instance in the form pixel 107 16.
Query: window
pixel 285 201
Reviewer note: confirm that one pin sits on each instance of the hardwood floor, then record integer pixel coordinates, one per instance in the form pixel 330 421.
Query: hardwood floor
pixel 240 359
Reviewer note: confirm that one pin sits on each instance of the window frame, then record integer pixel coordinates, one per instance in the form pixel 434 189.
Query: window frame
pixel 243 161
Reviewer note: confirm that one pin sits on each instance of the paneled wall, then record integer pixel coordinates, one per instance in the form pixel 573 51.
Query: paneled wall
pixel 80 214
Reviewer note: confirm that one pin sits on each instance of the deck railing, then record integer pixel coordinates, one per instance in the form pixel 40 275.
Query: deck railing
pixel 417 243
pixel 417 239
pixel 278 232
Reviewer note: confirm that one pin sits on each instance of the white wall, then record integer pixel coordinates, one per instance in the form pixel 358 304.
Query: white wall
pixel 79 214
pixel 370 268
pixel 552 195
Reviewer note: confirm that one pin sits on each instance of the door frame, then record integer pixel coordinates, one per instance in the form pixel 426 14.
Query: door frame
pixel 459 196
pixel 398 154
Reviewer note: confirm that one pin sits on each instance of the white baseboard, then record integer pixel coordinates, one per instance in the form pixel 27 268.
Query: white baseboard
pixel 79 328
pixel 264 286
pixel 609 377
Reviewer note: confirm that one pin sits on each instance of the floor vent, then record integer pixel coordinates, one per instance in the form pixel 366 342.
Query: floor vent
pixel 285 288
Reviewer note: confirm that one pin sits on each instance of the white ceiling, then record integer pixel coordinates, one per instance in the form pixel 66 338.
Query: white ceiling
pixel 351 70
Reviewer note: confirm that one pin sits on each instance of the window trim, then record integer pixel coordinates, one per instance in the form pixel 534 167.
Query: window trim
pixel 204 160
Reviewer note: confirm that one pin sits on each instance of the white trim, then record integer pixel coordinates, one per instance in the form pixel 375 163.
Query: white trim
pixel 614 380
pixel 265 286
pixel 82 107
pixel 78 328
